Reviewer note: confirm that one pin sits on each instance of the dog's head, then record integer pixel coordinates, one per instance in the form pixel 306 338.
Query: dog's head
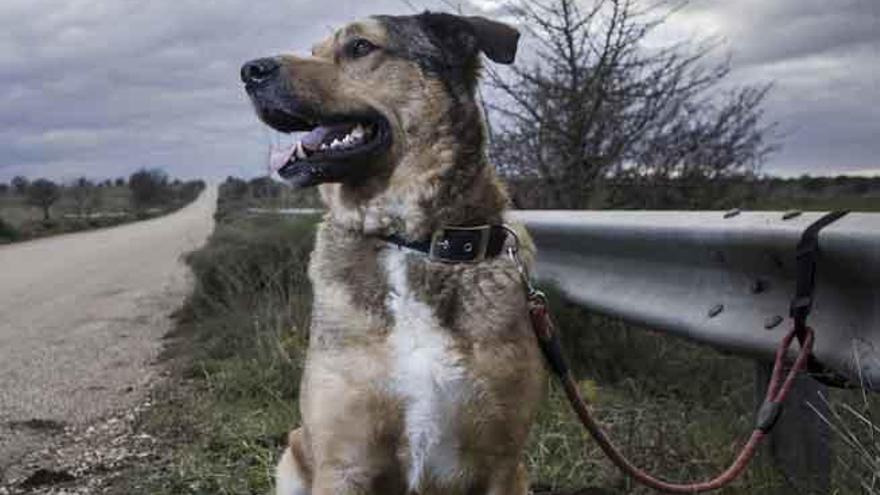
pixel 371 93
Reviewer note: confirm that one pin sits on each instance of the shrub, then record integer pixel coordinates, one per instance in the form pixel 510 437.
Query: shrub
pixel 8 233
pixel 148 188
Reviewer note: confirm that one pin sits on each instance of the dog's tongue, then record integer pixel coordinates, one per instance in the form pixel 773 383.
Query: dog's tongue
pixel 279 156
pixel 312 141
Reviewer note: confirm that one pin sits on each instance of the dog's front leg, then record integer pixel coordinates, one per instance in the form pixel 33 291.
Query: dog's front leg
pixel 510 483
pixel 341 482
pixel 293 475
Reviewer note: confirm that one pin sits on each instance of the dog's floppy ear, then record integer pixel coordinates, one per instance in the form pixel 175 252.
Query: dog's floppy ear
pixel 496 39
pixel 467 35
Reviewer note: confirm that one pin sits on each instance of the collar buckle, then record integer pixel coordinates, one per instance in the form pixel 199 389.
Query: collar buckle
pixel 460 244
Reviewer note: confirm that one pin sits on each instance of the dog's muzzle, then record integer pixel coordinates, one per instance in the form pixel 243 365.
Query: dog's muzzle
pixel 333 147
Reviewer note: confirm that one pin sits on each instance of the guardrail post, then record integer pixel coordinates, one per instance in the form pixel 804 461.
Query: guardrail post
pixel 800 442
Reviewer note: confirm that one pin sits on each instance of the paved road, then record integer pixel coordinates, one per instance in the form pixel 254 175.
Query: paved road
pixel 82 316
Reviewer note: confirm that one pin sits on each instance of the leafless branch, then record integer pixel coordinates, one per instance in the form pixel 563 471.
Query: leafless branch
pixel 599 104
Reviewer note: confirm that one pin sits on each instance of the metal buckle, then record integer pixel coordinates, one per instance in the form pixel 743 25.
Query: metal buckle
pixel 438 239
pixel 513 251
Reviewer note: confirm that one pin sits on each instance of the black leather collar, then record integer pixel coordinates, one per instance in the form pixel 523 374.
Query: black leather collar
pixel 458 244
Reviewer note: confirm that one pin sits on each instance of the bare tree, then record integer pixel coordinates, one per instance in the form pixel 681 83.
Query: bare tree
pixel 43 193
pixel 598 104
pixel 20 185
pixel 86 196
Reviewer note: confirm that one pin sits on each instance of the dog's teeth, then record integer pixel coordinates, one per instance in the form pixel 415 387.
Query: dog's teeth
pixel 335 144
pixel 358 132
pixel 300 152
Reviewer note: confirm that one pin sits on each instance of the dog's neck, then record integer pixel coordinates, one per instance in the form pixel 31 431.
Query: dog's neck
pixel 444 179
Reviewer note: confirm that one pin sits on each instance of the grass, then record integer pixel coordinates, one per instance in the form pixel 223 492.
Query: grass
pixel 646 394
pixel 239 346
pixel 679 409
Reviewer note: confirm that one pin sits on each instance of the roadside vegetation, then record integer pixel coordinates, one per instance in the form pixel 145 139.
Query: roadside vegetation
pixel 238 351
pixel 37 208
pixel 677 408
pixel 264 193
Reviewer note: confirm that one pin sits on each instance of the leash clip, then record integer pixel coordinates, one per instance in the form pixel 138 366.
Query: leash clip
pixel 532 293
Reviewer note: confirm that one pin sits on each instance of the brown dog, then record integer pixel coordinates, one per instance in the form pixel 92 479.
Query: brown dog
pixel 422 375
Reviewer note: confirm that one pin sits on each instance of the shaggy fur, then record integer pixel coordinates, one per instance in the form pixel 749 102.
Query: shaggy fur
pixel 422 377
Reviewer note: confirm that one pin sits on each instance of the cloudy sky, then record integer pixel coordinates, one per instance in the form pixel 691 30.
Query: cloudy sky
pixel 101 87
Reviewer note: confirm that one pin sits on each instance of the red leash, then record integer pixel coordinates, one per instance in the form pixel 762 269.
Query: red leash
pixel 777 390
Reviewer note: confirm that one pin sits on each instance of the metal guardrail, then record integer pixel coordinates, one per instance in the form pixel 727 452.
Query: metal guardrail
pixel 724 280
pixel 285 211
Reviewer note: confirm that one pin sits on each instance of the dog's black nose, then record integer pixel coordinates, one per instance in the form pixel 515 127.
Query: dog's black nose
pixel 257 71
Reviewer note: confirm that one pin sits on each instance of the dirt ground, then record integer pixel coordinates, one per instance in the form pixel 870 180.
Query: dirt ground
pixel 81 322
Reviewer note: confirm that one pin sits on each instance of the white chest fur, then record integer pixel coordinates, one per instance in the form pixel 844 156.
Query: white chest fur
pixel 428 376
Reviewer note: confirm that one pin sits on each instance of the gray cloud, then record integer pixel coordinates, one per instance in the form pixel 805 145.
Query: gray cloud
pixel 100 87
pixel 821 58
pixel 767 32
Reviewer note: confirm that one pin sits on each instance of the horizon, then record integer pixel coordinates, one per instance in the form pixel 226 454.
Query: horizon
pixel 855 174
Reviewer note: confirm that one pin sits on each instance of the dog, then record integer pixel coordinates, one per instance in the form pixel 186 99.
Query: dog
pixel 422 375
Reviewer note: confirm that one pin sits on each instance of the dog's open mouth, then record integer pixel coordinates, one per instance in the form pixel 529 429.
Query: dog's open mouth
pixel 331 151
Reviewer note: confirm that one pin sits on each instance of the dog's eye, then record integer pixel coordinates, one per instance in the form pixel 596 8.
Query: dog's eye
pixel 360 48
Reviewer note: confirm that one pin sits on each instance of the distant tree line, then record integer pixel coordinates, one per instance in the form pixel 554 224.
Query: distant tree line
pixel 148 188
pixel 256 188
pixel 765 192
